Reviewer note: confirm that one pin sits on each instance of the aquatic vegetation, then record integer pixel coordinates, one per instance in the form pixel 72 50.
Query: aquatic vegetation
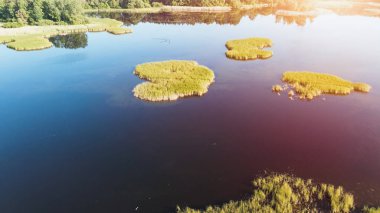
pixel 249 49
pixel 367 209
pixel 118 30
pixel 287 194
pixel 37 37
pixel 170 80
pixel 309 85
pixel 277 88
pixel 25 43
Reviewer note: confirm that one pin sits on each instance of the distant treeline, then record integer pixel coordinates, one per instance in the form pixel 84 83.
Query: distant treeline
pixel 44 12
pixel 41 11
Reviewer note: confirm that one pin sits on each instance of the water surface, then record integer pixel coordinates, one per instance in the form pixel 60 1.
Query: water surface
pixel 74 139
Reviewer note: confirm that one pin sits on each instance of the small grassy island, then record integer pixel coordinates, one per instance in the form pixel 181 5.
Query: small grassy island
pixel 37 37
pixel 309 85
pixel 249 49
pixel 287 194
pixel 170 80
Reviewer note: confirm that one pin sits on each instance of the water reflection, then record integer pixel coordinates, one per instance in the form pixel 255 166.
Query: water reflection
pixel 70 41
pixel 77 139
pixel 234 17
pixel 298 20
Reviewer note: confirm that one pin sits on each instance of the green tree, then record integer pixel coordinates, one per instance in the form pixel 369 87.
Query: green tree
pixel 36 13
pixel 71 11
pixel 9 10
pixel 21 11
pixel 51 11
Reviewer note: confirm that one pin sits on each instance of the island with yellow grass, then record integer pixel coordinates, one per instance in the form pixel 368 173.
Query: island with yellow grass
pixel 249 49
pixel 308 85
pixel 170 80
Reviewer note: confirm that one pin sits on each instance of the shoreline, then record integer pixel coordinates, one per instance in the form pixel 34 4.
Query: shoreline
pixel 214 9
pixel 30 38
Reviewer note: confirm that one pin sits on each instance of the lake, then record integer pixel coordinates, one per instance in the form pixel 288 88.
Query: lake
pixel 73 138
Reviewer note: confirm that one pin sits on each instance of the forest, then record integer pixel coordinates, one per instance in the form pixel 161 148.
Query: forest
pixel 18 13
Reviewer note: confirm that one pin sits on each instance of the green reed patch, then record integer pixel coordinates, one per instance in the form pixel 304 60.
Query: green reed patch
pixel 367 209
pixel 249 49
pixel 27 43
pixel 118 30
pixel 309 85
pixel 287 194
pixel 170 80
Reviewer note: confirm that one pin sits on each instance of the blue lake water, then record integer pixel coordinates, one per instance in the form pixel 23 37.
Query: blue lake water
pixel 74 139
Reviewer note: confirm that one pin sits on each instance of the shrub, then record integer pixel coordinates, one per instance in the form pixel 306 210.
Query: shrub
pixel 157 4
pixel 12 25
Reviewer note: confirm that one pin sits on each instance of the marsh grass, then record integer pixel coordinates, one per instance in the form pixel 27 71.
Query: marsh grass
pixel 118 30
pixel 367 209
pixel 286 194
pixel 309 85
pixel 38 38
pixel 170 80
pixel 249 49
pixel 27 43
pixel 277 88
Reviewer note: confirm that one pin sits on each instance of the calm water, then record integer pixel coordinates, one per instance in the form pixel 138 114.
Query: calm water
pixel 74 139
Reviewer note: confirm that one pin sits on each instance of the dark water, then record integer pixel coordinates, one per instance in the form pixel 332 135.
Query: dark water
pixel 74 139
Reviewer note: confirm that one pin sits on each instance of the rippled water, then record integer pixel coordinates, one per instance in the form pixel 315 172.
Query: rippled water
pixel 74 139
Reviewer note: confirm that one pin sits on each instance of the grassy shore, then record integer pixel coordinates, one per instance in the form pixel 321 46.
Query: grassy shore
pixel 286 194
pixel 249 49
pixel 170 80
pixel 36 37
pixel 309 85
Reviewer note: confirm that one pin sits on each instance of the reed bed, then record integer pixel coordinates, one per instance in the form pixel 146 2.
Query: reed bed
pixel 36 37
pixel 286 194
pixel 26 43
pixel 277 88
pixel 309 85
pixel 249 49
pixel 367 209
pixel 170 80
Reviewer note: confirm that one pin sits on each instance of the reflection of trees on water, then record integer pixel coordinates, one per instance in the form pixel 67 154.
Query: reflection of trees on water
pixel 298 20
pixel 70 41
pixel 234 17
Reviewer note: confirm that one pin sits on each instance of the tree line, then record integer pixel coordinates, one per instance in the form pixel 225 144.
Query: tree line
pixel 45 12
pixel 41 11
